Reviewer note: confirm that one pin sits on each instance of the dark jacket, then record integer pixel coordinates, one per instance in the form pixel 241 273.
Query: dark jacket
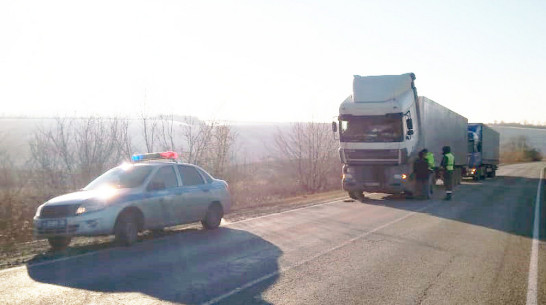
pixel 421 170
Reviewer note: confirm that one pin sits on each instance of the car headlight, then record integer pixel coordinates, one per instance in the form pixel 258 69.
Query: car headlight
pixel 89 207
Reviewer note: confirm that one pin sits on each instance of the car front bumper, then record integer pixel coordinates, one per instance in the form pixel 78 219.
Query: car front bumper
pixel 96 223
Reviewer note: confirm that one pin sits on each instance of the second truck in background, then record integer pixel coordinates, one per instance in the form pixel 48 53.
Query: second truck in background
pixel 483 151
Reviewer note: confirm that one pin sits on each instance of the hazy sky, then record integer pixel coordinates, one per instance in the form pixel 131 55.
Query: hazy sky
pixel 268 60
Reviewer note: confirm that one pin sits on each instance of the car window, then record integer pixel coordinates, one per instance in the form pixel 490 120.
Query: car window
pixel 189 175
pixel 121 177
pixel 165 176
pixel 208 178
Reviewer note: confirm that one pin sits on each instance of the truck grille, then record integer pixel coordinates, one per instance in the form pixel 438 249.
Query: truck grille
pixel 57 211
pixel 372 156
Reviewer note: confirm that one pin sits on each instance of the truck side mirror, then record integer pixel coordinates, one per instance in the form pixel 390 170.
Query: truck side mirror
pixel 334 127
pixel 409 123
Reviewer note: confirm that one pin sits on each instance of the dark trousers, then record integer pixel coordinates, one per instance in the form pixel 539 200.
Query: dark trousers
pixel 422 187
pixel 448 181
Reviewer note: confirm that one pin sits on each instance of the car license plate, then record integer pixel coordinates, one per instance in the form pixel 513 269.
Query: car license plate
pixel 371 183
pixel 54 223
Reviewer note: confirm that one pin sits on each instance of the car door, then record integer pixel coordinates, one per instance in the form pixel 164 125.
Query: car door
pixel 161 198
pixel 195 197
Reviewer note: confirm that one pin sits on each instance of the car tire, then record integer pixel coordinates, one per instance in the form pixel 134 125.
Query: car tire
pixel 59 243
pixel 126 229
pixel 213 218
pixel 357 195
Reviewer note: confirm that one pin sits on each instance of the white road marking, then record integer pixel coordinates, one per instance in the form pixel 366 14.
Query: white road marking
pixel 532 290
pixel 272 274
pixel 53 261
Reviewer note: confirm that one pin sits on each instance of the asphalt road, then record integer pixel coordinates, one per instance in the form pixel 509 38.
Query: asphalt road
pixel 475 249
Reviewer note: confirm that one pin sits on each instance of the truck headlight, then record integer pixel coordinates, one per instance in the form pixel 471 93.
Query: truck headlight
pixel 401 176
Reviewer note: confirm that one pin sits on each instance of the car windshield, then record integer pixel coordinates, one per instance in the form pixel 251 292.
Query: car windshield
pixel 121 177
pixel 371 129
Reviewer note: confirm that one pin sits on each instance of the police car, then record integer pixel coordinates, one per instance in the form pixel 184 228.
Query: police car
pixel 152 192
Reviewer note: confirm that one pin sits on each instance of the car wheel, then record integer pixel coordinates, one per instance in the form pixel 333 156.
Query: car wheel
pixel 357 195
pixel 213 217
pixel 126 229
pixel 59 243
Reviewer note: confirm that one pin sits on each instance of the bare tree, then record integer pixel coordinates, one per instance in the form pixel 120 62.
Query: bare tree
pixel 197 136
pixel 149 129
pixel 14 216
pixel 223 139
pixel 309 152
pixel 167 132
pixel 74 151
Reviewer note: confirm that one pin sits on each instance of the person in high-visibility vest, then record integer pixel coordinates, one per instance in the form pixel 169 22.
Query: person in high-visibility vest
pixel 447 166
pixel 430 158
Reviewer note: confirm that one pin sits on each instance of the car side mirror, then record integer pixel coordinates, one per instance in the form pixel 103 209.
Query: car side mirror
pixel 156 186
pixel 334 127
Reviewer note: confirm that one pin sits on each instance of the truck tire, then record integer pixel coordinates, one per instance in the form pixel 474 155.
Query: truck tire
pixel 213 218
pixel 126 230
pixel 491 174
pixel 59 243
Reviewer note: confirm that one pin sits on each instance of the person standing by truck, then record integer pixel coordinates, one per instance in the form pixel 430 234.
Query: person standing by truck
pixel 430 158
pixel 422 174
pixel 448 162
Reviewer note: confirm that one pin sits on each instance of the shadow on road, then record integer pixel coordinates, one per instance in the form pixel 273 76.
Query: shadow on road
pixel 504 203
pixel 190 267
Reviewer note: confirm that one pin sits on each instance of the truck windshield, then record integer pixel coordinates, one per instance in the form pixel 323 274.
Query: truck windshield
pixel 371 129
pixel 121 177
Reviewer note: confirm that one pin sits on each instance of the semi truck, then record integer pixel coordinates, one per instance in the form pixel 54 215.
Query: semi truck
pixel 483 151
pixel 382 127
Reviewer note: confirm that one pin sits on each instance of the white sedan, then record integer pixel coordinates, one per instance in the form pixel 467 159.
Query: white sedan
pixel 146 194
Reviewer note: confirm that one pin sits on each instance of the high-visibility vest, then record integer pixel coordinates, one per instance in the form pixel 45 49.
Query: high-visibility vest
pixel 450 158
pixel 430 159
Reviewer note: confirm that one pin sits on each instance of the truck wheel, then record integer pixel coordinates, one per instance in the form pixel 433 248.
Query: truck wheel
pixel 126 230
pixel 213 218
pixel 59 243
pixel 491 174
